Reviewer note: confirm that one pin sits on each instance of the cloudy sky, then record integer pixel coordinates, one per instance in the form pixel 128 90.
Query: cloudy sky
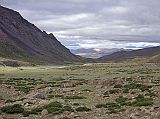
pixel 95 23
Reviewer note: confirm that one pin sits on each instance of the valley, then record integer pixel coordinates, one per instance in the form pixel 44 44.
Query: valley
pixel 98 91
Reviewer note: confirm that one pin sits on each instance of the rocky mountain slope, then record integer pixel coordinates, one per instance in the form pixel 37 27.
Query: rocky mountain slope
pixel 22 40
pixel 124 55
pixel 155 59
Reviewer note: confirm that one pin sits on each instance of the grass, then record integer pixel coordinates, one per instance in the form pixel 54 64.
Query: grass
pixel 12 109
pixel 113 91
pixel 82 98
pixel 83 109
pixel 121 100
pixel 142 101
pixel 53 107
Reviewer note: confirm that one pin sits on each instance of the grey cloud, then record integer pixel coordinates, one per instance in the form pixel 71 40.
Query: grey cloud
pixel 80 21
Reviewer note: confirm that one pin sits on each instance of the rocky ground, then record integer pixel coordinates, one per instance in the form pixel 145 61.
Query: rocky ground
pixel 135 97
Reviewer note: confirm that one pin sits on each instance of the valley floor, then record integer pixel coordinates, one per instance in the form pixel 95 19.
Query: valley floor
pixel 89 91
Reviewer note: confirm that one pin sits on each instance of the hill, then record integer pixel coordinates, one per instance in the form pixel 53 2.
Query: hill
pixel 21 40
pixel 125 55
pixel 155 59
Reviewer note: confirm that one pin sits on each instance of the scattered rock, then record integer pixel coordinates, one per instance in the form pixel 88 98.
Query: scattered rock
pixel 39 95
pixel 44 112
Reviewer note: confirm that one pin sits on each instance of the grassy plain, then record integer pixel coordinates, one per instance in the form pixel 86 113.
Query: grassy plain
pixel 101 90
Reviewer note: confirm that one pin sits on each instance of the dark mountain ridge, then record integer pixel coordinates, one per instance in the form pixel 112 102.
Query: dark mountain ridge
pixel 22 40
pixel 124 55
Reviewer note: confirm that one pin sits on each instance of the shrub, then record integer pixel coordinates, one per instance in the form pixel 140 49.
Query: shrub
pixel 121 100
pixel 139 97
pixel 114 91
pixel 151 94
pixel 9 101
pixel 137 86
pixel 67 108
pixel 76 104
pixel 36 110
pixel 54 96
pixel 55 107
pixel 12 109
pixel 145 102
pixel 33 111
pixel 26 113
pixel 112 106
pixel 100 106
pixel 82 109
pixel 23 89
pixel 118 86
pixel 141 101
pixel 125 90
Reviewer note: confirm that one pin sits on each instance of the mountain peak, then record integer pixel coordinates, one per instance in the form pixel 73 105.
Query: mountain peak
pixel 19 39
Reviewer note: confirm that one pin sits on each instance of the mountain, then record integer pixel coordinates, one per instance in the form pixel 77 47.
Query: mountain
pixel 94 52
pixel 21 40
pixel 124 55
pixel 154 59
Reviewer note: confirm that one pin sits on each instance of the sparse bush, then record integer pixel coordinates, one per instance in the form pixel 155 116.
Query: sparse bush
pixel 82 109
pixel 137 86
pixel 118 86
pixel 121 100
pixel 76 104
pixel 114 91
pixel 67 108
pixel 111 106
pixel 24 89
pixel 100 106
pixel 26 113
pixel 151 94
pixel 141 101
pixel 54 107
pixel 125 90
pixel 55 96
pixel 9 101
pixel 12 109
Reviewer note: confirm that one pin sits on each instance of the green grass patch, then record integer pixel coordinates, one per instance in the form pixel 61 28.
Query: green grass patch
pixel 83 109
pixel 12 109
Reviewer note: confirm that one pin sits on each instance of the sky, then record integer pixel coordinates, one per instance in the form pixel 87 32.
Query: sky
pixel 129 24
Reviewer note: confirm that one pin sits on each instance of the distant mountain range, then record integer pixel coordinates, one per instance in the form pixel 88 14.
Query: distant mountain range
pixel 152 54
pixel 95 52
pixel 22 40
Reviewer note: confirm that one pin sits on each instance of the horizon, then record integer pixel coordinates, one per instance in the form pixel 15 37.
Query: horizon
pixel 107 24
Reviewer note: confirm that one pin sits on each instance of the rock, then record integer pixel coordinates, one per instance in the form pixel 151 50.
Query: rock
pixel 44 112
pixel 147 111
pixel 26 104
pixel 48 89
pixel 39 95
pixel 157 115
pixel 72 114
pixel 43 102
